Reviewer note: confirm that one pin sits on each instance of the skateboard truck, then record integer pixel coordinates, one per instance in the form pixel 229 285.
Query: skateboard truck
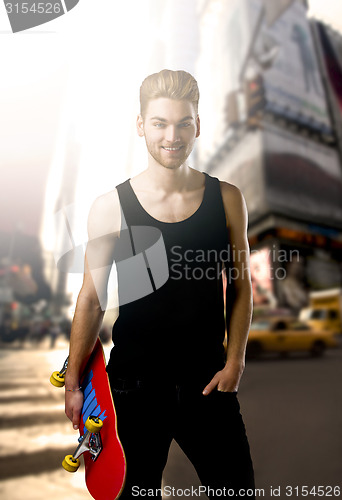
pixel 90 441
pixel 58 378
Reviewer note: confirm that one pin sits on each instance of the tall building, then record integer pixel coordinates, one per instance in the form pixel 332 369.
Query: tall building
pixel 267 128
pixel 328 43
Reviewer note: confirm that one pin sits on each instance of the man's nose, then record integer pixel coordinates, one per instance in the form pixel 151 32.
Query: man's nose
pixel 172 134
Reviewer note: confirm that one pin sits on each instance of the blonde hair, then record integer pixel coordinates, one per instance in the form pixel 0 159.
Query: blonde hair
pixel 178 85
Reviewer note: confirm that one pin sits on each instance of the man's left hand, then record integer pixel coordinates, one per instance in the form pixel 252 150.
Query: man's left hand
pixel 226 380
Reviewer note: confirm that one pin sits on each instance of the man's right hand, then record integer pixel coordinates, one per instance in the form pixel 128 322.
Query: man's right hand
pixel 73 407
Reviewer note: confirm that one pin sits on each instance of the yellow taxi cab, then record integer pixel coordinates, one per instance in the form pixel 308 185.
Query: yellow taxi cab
pixel 287 335
pixel 324 311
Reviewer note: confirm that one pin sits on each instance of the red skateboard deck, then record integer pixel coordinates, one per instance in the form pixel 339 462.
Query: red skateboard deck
pixel 99 443
pixel 105 476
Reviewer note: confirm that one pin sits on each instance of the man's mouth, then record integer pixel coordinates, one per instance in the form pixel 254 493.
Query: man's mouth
pixel 172 149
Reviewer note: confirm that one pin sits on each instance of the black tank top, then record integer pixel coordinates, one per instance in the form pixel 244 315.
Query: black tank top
pixel 171 313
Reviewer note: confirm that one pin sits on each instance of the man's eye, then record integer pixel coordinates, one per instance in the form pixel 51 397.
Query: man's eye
pixel 186 124
pixel 159 125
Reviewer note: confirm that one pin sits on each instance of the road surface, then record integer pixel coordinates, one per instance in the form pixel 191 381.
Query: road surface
pixel 292 410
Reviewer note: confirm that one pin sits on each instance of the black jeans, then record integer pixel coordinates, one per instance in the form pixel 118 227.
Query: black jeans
pixel 209 429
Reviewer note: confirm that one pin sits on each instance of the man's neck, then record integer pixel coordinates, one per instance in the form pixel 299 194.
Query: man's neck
pixel 159 178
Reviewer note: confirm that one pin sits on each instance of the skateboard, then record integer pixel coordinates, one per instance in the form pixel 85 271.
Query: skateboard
pixel 99 443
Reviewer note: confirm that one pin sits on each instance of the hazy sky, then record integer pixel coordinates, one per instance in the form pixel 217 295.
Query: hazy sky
pixel 73 72
pixel 329 11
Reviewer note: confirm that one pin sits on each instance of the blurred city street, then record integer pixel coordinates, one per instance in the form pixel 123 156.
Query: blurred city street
pixel 269 74
pixel 292 410
pixel 35 433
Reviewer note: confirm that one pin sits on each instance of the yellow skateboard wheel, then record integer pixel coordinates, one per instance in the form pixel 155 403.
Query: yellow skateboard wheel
pixel 93 424
pixel 70 463
pixel 57 379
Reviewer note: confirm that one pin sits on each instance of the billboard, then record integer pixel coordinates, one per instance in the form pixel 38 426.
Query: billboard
pixel 282 54
pixel 292 79
pixel 275 9
pixel 332 53
pixel 302 179
pixel 261 276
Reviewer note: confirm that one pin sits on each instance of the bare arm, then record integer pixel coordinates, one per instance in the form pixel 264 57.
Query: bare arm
pixel 103 229
pixel 240 313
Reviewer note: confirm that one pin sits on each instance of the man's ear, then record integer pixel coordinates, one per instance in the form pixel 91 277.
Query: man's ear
pixel 140 126
pixel 198 126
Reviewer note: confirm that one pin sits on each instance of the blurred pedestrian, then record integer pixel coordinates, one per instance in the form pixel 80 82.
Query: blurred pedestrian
pixel 54 333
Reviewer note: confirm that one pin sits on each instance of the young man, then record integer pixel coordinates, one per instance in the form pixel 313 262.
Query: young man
pixel 168 374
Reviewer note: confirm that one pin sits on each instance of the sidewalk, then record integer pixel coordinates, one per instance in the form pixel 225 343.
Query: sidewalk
pixel 34 431
pixel 35 434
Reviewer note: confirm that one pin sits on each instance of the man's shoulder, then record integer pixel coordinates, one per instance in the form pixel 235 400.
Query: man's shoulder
pixel 105 214
pixel 105 203
pixel 233 201
pixel 230 192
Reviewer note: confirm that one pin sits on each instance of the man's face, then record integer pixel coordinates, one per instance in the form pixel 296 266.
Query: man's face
pixel 170 128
